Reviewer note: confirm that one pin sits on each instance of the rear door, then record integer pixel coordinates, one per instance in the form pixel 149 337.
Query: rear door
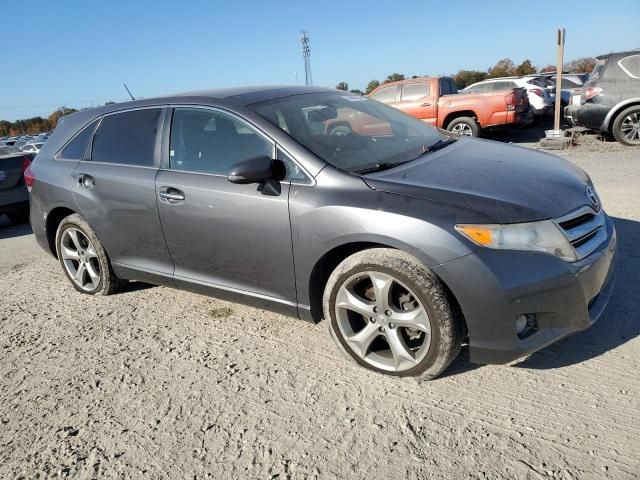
pixel 114 188
pixel 417 99
pixel 223 237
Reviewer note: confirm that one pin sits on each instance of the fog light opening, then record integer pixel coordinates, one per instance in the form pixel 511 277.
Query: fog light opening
pixel 525 325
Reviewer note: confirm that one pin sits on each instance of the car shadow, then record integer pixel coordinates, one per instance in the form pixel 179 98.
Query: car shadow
pixel 135 286
pixel 10 230
pixel 618 324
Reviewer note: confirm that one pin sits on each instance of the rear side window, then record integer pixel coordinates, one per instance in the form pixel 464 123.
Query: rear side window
pixel 631 65
pixel 75 149
pixel 127 138
pixel 385 95
pixel 414 91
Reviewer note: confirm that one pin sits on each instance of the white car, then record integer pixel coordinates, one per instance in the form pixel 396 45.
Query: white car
pixel 539 98
pixel 32 147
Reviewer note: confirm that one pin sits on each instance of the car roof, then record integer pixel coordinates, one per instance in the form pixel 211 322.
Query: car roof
pixel 622 54
pixel 238 96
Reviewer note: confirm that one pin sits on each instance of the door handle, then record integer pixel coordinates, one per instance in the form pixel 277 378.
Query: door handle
pixel 85 181
pixel 171 195
pixel 426 104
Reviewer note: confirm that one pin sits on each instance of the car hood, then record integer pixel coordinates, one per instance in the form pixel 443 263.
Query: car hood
pixel 508 183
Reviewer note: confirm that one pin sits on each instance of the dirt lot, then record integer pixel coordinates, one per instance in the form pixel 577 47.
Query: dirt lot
pixel 158 383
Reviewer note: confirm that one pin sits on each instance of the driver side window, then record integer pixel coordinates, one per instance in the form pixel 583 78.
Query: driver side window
pixel 209 141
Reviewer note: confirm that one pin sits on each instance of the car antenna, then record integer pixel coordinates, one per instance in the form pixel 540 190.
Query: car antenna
pixel 128 91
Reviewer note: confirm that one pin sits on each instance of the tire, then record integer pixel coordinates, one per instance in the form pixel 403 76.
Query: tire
pixel 340 129
pixel 77 244
pixel 20 216
pixel 626 127
pixel 426 292
pixel 466 126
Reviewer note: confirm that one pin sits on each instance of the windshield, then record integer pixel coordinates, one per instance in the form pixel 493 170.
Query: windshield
pixel 350 132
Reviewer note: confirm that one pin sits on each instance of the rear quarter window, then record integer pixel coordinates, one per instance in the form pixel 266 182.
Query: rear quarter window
pixel 76 147
pixel 127 138
pixel 631 66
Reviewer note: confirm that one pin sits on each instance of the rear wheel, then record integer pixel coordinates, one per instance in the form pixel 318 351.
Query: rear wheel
pixel 390 314
pixel 466 126
pixel 626 127
pixel 84 259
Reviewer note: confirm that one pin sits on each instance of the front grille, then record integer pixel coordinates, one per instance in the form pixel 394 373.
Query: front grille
pixel 585 229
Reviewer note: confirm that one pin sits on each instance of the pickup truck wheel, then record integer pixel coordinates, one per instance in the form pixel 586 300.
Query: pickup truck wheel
pixel 341 129
pixel 464 126
pixel 626 127
pixel 83 258
pixel 391 314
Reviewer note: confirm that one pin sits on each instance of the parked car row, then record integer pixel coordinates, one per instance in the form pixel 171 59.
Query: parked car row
pixel 610 100
pixel 25 143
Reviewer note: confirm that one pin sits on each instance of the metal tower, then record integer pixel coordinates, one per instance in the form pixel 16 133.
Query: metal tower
pixel 305 43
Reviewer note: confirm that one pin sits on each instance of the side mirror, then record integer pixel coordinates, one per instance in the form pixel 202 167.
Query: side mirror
pixel 253 170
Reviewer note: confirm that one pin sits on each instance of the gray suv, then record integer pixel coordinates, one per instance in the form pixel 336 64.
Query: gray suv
pixel 407 240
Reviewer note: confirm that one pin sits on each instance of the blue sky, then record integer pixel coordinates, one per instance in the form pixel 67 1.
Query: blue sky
pixel 78 53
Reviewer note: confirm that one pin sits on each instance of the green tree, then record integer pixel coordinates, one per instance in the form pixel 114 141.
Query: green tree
pixel 548 68
pixel 464 78
pixel 342 86
pixel 525 68
pixel 357 92
pixel 371 86
pixel 394 77
pixel 503 68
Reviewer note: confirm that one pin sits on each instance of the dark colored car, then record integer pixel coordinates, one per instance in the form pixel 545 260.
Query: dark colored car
pixel 14 198
pixel 610 99
pixel 407 240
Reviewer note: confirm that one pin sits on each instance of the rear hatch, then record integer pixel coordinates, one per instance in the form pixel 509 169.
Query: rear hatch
pixel 12 168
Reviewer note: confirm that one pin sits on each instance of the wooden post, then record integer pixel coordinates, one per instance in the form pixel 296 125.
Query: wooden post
pixel 560 63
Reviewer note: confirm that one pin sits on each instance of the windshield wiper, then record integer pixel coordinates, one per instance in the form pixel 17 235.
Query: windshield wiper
pixel 440 144
pixel 378 167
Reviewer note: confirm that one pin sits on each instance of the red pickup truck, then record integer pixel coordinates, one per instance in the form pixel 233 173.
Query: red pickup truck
pixel 436 101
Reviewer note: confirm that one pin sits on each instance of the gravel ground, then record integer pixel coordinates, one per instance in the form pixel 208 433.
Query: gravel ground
pixel 157 383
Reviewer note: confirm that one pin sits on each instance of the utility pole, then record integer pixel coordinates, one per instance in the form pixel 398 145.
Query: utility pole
pixel 305 43
pixel 559 66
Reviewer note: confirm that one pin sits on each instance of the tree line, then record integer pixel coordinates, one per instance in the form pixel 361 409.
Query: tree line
pixel 34 125
pixel 503 68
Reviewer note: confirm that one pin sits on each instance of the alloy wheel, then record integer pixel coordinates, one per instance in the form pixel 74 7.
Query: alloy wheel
pixel 630 127
pixel 462 129
pixel 382 321
pixel 80 259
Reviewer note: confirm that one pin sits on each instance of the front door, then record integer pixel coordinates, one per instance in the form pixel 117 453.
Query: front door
pixel 417 100
pixel 114 188
pixel 221 235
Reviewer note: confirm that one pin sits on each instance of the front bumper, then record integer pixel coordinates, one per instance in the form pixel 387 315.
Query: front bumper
pixel 495 287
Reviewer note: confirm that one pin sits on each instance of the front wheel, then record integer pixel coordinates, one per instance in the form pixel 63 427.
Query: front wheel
pixel 626 127
pixel 83 258
pixel 390 314
pixel 465 126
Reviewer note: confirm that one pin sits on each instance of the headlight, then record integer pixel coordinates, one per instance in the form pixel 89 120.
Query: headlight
pixel 542 236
